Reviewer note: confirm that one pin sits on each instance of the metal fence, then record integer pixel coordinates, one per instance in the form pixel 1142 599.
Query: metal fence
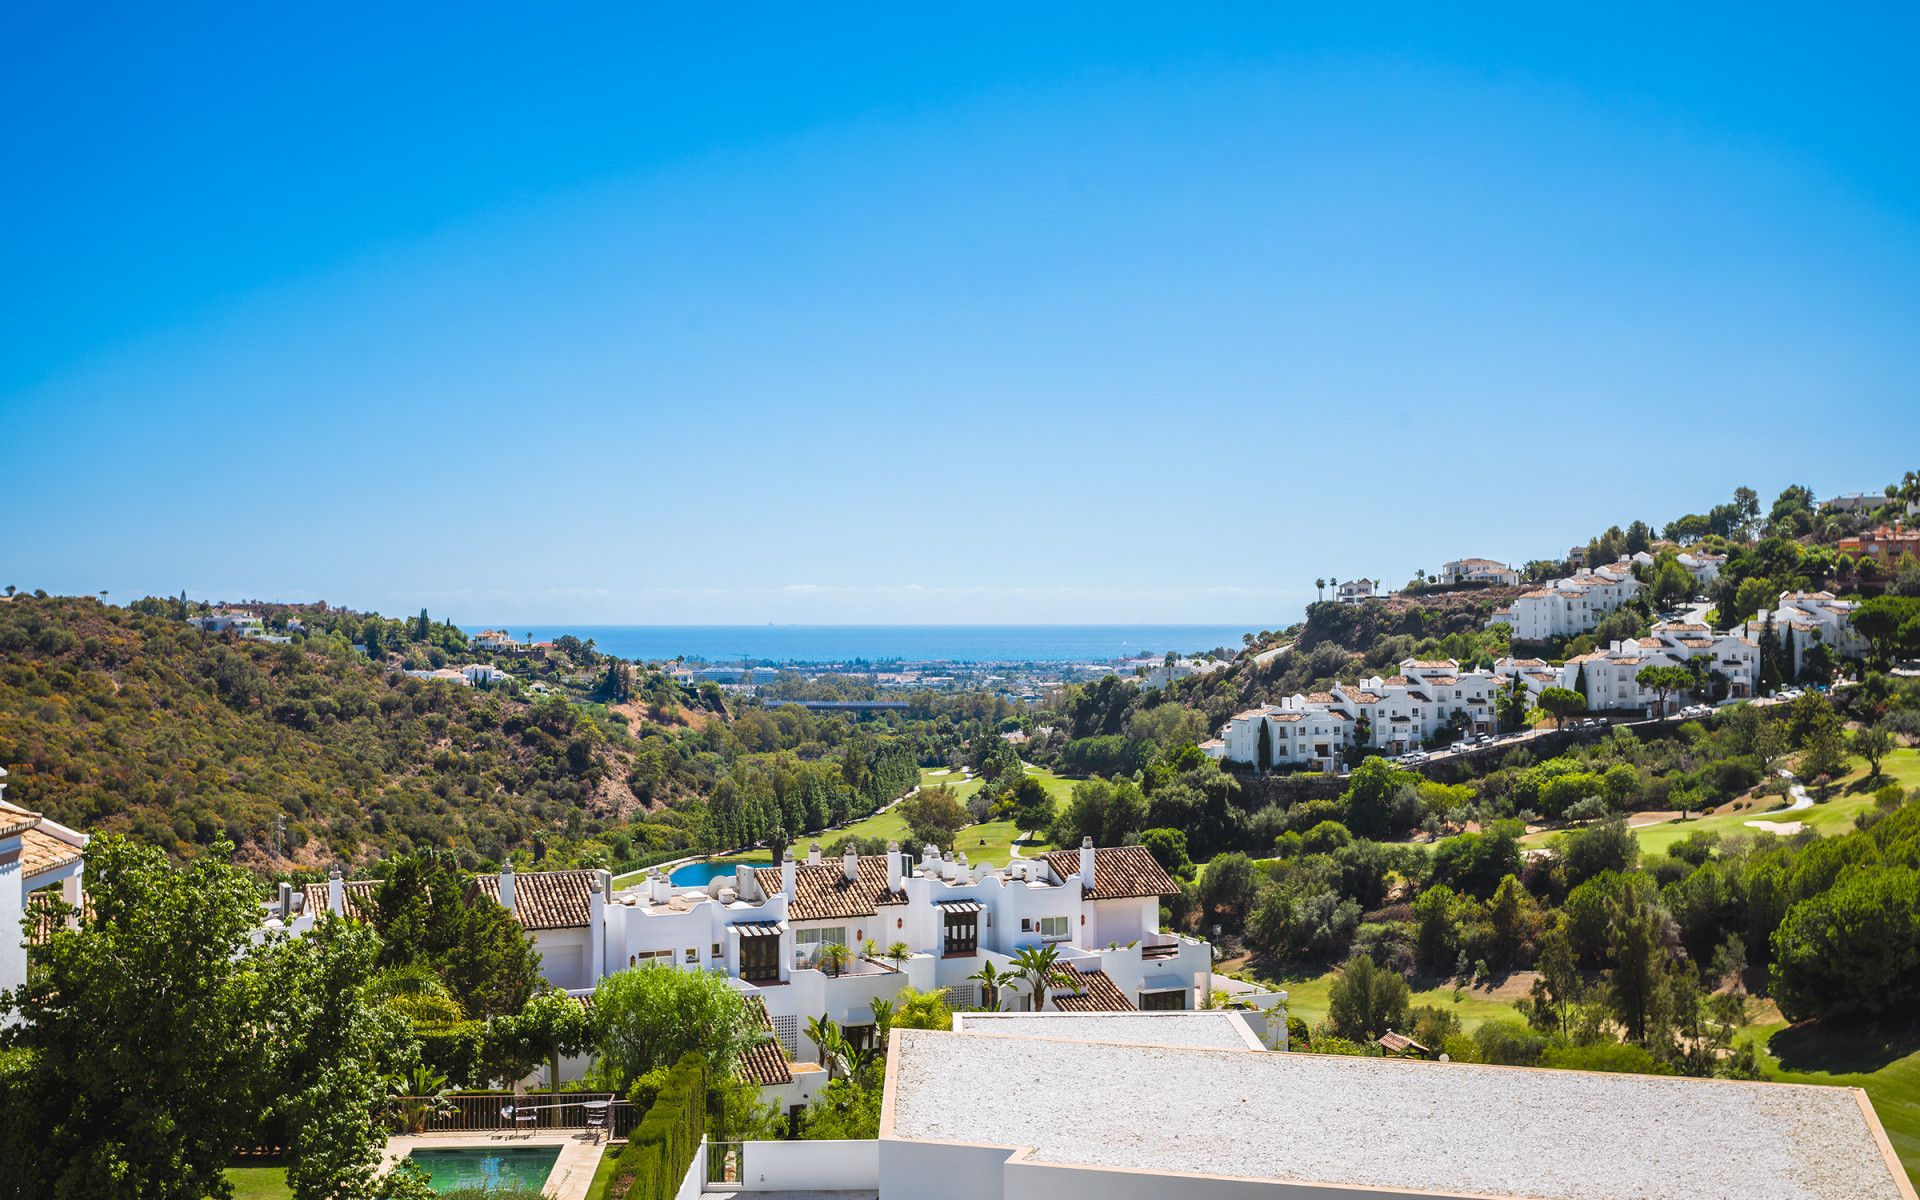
pixel 474 1112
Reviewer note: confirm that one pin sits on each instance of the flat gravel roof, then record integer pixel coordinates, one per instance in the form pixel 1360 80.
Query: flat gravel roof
pixel 1427 1128
pixel 1217 1029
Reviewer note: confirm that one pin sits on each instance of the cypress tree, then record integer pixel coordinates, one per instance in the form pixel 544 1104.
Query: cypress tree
pixel 1264 758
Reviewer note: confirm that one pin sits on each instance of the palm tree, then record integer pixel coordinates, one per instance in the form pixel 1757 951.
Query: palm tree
pixel 898 954
pixel 1320 588
pixel 1036 965
pixel 882 1018
pixel 991 980
pixel 833 1044
pixel 833 958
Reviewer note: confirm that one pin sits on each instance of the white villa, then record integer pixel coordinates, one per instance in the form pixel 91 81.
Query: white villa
pixel 1609 675
pixel 1572 605
pixel 1704 567
pixel 1812 618
pixel 36 856
pixel 1392 714
pixel 242 621
pixel 765 929
pixel 1353 591
pixel 1478 570
pixel 495 639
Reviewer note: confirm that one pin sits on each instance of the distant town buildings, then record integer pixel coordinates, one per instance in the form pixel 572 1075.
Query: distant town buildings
pixel 1885 545
pixel 1163 673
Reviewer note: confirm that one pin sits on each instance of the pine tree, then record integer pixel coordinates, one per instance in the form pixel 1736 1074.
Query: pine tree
pixel 422 627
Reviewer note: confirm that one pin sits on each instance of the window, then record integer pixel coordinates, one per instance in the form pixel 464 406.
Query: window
pixel 759 958
pixel 1162 1001
pixel 1055 929
pixel 859 1037
pixel 650 956
pixel 693 954
pixel 717 951
pixel 807 942
pixel 963 932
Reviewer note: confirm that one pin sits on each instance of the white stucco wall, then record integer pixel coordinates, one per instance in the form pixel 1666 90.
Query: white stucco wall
pixel 933 1171
pixel 809 1166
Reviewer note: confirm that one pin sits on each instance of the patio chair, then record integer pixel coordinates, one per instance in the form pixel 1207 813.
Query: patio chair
pixel 597 1117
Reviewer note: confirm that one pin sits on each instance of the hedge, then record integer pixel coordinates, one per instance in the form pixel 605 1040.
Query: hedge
pixel 662 1145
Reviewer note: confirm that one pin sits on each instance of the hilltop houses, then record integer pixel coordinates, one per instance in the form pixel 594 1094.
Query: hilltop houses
pixel 1803 620
pixel 1391 714
pixel 1478 570
pixel 1609 677
pixel 810 937
pixel 1572 605
pixel 1353 591
pixel 495 639
pixel 1886 545
pixel 243 622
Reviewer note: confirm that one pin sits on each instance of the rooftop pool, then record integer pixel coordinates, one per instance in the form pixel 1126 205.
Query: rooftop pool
pixel 485 1167
pixel 700 874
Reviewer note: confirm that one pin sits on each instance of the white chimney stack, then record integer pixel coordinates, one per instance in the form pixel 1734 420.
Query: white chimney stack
pixel 850 865
pixel 506 886
pixel 813 855
pixel 336 893
pixel 284 902
pixel 895 868
pixel 1086 863
pixel 788 870
pixel 660 888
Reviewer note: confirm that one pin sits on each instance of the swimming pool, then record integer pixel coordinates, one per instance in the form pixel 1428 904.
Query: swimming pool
pixel 700 874
pixel 484 1167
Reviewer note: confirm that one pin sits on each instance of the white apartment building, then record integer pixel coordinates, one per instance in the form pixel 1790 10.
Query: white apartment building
pixel 1534 674
pixel 765 928
pixel 38 857
pixel 1393 714
pixel 1703 566
pixel 1572 605
pixel 1478 570
pixel 1609 676
pixel 1813 618
pixel 1353 591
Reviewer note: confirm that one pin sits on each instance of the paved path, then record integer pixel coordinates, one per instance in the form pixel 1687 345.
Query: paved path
pixel 1801 801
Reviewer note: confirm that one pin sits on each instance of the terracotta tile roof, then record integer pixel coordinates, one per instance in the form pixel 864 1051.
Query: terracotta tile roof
pixel 764 1064
pixel 16 820
pixel 824 891
pixel 41 852
pixel 1319 697
pixel 1119 872
pixel 1286 716
pixel 546 899
pixel 358 897
pixel 1432 664
pixel 1247 714
pixel 1098 993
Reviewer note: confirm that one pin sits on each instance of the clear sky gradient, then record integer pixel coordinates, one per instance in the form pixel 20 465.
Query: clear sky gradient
pixel 1023 313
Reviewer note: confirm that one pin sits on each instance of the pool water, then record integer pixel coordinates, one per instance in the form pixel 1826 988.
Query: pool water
pixel 699 874
pixel 519 1167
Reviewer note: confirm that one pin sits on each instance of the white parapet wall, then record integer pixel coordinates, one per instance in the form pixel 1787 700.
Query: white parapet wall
pixel 696 1177
pixel 825 1166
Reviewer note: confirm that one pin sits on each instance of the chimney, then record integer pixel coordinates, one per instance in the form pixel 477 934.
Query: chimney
pixel 894 866
pixel 962 869
pixel 788 870
pixel 603 883
pixel 336 893
pixel 813 855
pixel 1086 863
pixel 506 885
pixel 659 888
pixel 930 853
pixel 850 865
pixel 285 902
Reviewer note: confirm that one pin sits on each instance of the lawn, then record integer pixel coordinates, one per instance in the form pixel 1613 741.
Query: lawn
pixel 1835 807
pixel 259 1183
pixel 1307 997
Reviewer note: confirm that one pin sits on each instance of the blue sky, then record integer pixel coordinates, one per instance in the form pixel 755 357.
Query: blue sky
pixel 1023 313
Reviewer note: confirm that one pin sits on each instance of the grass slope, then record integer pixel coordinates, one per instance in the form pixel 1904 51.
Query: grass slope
pixel 259 1183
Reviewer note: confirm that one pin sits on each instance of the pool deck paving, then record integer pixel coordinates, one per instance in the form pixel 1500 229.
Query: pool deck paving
pixel 579 1153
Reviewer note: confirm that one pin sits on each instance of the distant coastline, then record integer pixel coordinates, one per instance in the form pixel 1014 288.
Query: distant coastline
pixel 890 643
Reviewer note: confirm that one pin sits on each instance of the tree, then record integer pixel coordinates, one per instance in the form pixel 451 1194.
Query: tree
pixel 1227 887
pixel 1368 800
pixel 157 1033
pixel 1561 703
pixel 426 912
pixel 1663 682
pixel 1109 813
pixel 1035 965
pixel 1033 807
pixel 933 816
pixel 551 1024
pixel 921 1010
pixel 1637 945
pixel 1366 1000
pixel 1825 747
pixel 1169 849
pixel 648 1016
pixel 1319 587
pixel 991 979
pixel 1263 755
pixel 1873 743
pixel 1852 949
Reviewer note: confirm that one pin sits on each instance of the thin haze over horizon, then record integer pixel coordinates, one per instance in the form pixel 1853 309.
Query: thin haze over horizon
pixel 1086 314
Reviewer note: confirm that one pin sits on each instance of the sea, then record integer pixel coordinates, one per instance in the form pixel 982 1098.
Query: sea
pixel 802 644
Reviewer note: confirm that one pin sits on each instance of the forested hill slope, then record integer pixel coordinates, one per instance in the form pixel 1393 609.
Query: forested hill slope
pixel 123 719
